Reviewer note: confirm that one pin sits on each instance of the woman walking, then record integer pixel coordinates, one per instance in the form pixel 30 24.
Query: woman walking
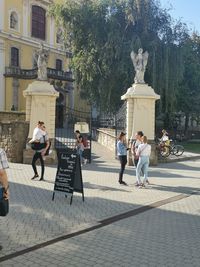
pixel 122 154
pixel 143 152
pixel 41 138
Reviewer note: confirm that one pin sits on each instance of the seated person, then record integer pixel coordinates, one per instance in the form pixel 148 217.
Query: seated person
pixel 164 140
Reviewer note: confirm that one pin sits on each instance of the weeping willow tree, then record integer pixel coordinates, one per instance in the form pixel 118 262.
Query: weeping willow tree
pixel 101 35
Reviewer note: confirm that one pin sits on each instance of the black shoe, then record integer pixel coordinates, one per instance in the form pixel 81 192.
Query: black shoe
pixel 41 179
pixel 35 176
pixel 122 182
pixel 1 247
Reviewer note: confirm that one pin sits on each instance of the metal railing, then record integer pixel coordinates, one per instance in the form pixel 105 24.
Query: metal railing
pixel 32 74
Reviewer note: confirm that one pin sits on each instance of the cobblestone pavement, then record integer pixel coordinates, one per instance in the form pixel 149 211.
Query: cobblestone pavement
pixel 164 236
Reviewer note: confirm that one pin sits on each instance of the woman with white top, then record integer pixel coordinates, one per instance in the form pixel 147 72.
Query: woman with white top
pixel 41 138
pixel 143 152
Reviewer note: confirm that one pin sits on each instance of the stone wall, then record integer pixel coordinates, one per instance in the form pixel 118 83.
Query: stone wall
pixel 106 137
pixel 13 138
pixel 6 116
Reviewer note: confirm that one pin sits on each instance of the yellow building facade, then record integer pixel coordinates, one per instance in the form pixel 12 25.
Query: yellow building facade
pixel 24 25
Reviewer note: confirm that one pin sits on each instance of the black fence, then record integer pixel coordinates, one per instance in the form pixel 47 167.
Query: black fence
pixel 65 139
pixel 115 121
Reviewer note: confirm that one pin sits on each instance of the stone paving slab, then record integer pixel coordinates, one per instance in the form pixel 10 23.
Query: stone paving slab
pixel 34 218
pixel 167 236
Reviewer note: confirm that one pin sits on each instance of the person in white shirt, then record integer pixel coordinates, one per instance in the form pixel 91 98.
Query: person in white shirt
pixel 165 137
pixel 143 152
pixel 40 137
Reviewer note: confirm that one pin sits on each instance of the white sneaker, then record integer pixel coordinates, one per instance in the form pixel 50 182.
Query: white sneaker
pixel 85 161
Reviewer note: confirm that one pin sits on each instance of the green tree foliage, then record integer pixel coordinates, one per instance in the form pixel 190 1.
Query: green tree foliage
pixel 101 35
pixel 189 89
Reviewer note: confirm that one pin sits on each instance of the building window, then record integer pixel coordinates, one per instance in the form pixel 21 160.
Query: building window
pixel 38 22
pixel 14 57
pixel 14 21
pixel 58 64
pixel 15 86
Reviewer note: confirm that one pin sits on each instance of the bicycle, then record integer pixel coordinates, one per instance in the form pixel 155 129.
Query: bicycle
pixel 170 149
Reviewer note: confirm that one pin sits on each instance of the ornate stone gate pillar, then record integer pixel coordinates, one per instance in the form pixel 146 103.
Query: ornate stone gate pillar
pixel 41 106
pixel 141 100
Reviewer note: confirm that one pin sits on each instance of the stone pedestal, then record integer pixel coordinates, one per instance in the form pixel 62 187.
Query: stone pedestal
pixel 141 100
pixel 40 106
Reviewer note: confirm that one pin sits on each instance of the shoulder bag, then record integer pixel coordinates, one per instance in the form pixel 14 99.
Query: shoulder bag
pixel 4 203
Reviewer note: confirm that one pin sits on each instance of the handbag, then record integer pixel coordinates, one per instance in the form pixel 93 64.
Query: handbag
pixel 4 203
pixel 38 146
pixel 137 156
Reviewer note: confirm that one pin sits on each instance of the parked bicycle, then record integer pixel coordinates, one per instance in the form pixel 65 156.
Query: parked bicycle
pixel 170 149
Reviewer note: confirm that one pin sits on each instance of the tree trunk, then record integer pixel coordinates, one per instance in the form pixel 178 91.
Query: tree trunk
pixel 186 124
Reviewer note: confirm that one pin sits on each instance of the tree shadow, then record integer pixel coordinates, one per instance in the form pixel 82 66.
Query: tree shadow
pixel 179 166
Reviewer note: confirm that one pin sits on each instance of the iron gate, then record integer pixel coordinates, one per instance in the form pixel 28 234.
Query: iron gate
pixel 65 139
pixel 116 121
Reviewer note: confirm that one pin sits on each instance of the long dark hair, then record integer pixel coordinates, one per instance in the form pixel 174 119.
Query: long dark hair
pixel 121 135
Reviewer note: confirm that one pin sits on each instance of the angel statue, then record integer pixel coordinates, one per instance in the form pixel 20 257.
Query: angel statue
pixel 42 60
pixel 139 62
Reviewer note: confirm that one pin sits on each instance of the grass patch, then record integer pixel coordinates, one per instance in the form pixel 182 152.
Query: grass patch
pixel 192 147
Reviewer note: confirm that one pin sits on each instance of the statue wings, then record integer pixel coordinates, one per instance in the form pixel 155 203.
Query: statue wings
pixel 134 59
pixel 145 59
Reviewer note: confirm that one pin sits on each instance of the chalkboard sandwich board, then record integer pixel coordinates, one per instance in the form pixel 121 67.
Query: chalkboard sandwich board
pixel 69 175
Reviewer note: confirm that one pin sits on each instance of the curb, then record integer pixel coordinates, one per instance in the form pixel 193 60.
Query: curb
pixel 187 158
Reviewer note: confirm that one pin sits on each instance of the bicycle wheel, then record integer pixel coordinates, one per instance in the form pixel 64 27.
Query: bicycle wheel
pixel 165 151
pixel 178 150
pixel 173 150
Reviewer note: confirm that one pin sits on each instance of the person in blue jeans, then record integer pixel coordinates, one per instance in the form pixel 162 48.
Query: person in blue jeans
pixel 143 152
pixel 122 154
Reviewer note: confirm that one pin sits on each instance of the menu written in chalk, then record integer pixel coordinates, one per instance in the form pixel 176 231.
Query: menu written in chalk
pixel 68 176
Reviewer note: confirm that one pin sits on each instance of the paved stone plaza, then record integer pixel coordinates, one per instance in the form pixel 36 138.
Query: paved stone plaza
pixel 159 225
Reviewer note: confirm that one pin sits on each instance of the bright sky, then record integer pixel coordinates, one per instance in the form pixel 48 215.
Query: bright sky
pixel 187 10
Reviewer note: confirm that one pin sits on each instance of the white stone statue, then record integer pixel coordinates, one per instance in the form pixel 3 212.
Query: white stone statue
pixel 42 60
pixel 139 62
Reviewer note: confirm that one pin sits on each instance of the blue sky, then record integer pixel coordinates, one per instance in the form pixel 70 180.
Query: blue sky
pixel 187 10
